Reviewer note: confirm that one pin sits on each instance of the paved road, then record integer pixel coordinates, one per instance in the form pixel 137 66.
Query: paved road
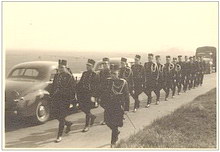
pixel 23 135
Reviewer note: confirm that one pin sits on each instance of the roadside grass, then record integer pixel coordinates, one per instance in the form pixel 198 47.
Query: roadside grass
pixel 191 126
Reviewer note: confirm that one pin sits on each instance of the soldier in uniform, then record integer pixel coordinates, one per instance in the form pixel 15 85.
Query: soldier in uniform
pixel 87 93
pixel 138 79
pixel 169 74
pixel 196 75
pixel 181 73
pixel 151 74
pixel 177 77
pixel 186 73
pixel 191 72
pixel 115 97
pixel 160 79
pixel 63 91
pixel 103 76
pixel 203 68
pixel 126 73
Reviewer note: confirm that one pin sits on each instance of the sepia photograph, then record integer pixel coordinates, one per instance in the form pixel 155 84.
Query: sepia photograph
pixel 110 75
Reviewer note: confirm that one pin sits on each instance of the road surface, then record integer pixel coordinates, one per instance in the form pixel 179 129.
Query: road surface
pixel 22 135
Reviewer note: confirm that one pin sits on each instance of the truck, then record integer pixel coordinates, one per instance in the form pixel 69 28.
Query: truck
pixel 209 56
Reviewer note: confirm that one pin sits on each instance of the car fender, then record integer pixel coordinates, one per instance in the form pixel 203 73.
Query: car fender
pixel 28 106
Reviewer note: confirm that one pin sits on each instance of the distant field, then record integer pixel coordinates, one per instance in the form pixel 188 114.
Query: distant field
pixel 191 126
pixel 76 60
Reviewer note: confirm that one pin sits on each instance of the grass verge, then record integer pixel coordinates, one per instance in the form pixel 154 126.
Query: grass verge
pixel 191 126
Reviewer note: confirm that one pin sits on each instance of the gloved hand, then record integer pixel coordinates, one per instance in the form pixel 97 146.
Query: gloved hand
pixel 93 99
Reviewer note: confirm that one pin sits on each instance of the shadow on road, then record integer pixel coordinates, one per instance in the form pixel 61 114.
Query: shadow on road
pixel 15 123
pixel 37 139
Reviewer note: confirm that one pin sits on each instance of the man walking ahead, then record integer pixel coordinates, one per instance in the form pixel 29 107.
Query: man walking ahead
pixel 126 73
pixel 151 74
pixel 116 95
pixel 87 92
pixel 63 91
pixel 103 76
pixel 138 79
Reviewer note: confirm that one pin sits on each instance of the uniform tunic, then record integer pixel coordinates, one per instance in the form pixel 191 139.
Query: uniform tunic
pixel 169 77
pixel 87 88
pixel 151 75
pixel 127 74
pixel 161 76
pixel 138 77
pixel 63 91
pixel 116 95
pixel 103 76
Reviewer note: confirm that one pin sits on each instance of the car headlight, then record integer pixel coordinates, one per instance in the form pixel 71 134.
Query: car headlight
pixel 15 96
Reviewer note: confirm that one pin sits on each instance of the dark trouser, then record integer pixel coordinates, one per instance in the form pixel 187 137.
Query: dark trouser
pixel 169 86
pixel 115 133
pixel 148 91
pixel 87 110
pixel 179 84
pixel 60 112
pixel 127 102
pixel 86 106
pixel 174 85
pixel 192 81
pixel 186 82
pixel 62 123
pixel 160 85
pixel 137 91
pixel 201 80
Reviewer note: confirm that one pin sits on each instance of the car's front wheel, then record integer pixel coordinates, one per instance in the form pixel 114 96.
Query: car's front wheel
pixel 42 112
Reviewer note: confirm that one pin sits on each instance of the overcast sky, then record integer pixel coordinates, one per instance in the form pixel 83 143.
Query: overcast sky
pixel 109 26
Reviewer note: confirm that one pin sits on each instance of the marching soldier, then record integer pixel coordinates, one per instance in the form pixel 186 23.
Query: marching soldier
pixel 186 73
pixel 196 66
pixel 103 76
pixel 191 72
pixel 138 79
pixel 181 74
pixel 87 92
pixel 177 77
pixel 63 91
pixel 169 73
pixel 115 96
pixel 203 68
pixel 126 73
pixel 151 74
pixel 160 79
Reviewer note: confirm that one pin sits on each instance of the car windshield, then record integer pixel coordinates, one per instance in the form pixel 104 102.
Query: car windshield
pixel 26 73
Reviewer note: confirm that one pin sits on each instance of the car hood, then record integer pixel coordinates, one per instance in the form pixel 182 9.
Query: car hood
pixel 23 87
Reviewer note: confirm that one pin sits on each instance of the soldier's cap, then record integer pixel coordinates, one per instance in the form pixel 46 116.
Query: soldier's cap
pixel 105 59
pixel 190 57
pixel 194 56
pixel 174 58
pixel 167 56
pixel 114 67
pixel 186 56
pixel 157 56
pixel 123 59
pixel 62 62
pixel 179 56
pixel 91 62
pixel 138 56
pixel 150 54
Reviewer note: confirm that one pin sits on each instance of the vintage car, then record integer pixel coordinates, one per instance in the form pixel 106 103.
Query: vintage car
pixel 27 90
